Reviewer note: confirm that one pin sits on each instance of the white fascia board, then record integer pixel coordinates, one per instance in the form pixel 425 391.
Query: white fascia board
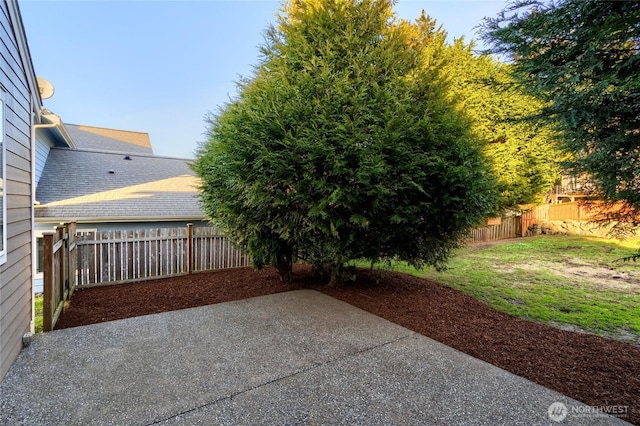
pixel 55 123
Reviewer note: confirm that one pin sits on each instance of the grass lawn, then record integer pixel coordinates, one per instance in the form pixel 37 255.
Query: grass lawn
pixel 38 315
pixel 576 283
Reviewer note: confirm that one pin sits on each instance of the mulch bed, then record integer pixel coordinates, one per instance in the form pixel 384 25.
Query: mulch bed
pixel 597 371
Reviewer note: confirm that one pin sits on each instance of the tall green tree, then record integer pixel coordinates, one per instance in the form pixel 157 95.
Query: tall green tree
pixel 343 146
pixel 525 159
pixel 581 58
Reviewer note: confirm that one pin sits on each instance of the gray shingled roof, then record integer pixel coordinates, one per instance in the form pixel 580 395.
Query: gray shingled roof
pixel 78 185
pixel 103 139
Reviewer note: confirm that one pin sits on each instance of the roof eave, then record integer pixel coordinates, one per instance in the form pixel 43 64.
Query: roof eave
pixel 56 125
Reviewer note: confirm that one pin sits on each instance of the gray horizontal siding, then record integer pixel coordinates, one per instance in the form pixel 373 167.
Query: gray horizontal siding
pixel 16 273
pixel 42 152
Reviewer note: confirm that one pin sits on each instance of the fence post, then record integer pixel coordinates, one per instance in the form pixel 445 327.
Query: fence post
pixel 62 266
pixel 72 258
pixel 48 281
pixel 190 248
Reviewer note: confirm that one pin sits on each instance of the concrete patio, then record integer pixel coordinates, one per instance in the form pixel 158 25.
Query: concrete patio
pixel 291 358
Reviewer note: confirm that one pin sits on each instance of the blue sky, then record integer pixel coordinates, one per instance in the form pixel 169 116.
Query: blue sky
pixel 161 66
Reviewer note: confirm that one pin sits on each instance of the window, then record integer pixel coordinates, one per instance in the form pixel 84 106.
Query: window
pixel 3 186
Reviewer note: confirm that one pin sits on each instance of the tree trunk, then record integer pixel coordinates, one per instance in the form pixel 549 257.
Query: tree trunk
pixel 285 265
pixel 336 276
pixel 319 270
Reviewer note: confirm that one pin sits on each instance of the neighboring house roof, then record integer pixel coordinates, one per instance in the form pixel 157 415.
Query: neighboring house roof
pixel 102 139
pixel 92 186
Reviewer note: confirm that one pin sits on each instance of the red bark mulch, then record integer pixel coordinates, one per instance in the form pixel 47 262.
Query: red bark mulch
pixel 599 372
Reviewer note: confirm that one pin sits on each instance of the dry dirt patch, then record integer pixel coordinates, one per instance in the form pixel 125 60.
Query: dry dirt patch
pixel 599 278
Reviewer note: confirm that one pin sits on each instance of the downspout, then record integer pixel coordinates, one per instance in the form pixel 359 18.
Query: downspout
pixel 26 339
pixel 34 248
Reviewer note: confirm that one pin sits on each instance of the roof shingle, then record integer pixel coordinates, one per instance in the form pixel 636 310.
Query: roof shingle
pixel 103 139
pixel 81 184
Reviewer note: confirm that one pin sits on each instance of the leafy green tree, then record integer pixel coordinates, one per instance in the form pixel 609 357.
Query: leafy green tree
pixel 343 146
pixel 523 152
pixel 581 58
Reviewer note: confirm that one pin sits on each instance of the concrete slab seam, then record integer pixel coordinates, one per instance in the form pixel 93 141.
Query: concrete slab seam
pixel 311 367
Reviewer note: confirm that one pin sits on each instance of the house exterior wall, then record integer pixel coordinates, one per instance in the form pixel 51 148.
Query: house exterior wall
pixel 42 152
pixel 16 271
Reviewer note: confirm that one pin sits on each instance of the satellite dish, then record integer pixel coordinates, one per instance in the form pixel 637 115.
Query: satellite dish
pixel 45 88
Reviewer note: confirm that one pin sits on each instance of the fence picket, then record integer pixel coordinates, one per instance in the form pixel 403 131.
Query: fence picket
pixel 110 257
pixel 508 228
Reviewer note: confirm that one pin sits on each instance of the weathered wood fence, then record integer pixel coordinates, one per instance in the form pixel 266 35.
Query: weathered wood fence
pixel 59 272
pixel 510 227
pixel 99 258
pixel 574 210
pixel 518 225
pixel 111 257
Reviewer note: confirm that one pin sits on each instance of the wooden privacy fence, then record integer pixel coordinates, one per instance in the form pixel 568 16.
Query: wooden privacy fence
pixel 574 210
pixel 111 257
pixel 510 227
pixel 96 258
pixel 59 272
pixel 519 224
